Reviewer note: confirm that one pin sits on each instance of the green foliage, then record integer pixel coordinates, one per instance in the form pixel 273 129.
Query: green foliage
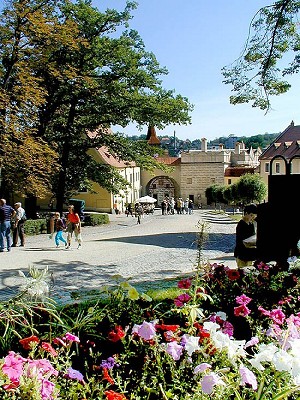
pixel 251 188
pixel 88 78
pixel 96 219
pixel 259 72
pixel 35 226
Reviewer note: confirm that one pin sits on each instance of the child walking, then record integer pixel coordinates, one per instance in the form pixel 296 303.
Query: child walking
pixel 59 227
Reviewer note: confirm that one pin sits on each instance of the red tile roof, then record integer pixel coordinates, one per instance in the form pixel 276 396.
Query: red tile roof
pixel 287 144
pixel 238 171
pixel 169 160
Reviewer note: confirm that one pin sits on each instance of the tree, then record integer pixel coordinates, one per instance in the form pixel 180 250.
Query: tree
pixel 91 79
pixel 259 72
pixel 251 188
pixel 24 156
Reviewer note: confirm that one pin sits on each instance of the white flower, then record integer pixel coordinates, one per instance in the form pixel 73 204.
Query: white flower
pixel 191 344
pixel 282 361
pixel 265 353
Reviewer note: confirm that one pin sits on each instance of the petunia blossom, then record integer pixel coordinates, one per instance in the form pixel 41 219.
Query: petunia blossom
pixel 71 338
pixel 185 283
pixel 28 342
pixel 201 368
pixel 111 395
pixel 248 377
pixel 47 389
pixel 209 381
pixel 74 375
pixel 47 347
pixel 146 330
pixel 182 299
pixel 175 350
pixel 243 299
pixel 241 311
pixel 13 366
pixel 191 344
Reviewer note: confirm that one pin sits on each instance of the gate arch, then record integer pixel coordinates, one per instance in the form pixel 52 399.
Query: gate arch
pixel 162 186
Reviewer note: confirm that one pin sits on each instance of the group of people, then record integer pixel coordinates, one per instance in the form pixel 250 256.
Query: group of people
pixel 71 224
pixel 170 205
pixel 12 221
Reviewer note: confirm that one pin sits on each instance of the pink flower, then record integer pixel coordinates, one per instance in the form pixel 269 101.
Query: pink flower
pixel 241 311
pixel 263 311
pixel 243 299
pixel 227 328
pixel 13 366
pixel 247 377
pixel 182 299
pixel 71 338
pixel 252 342
pixel 277 316
pixel 201 368
pixel 47 389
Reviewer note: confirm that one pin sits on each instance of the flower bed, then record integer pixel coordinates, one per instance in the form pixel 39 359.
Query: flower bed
pixel 226 335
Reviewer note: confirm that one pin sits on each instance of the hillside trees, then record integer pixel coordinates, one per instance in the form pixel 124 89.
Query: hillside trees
pixel 272 51
pixel 91 77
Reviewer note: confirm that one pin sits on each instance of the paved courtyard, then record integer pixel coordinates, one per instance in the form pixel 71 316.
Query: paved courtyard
pixel 160 248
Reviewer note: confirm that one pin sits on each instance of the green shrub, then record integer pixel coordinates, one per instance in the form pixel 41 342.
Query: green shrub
pixel 96 219
pixel 35 226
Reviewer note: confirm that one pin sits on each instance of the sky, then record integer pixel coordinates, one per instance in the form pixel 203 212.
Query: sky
pixel 194 39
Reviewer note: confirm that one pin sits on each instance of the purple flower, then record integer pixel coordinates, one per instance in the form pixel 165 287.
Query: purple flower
pixel 74 375
pixel 182 299
pixel 175 350
pixel 201 368
pixel 209 381
pixel 109 363
pixel 146 331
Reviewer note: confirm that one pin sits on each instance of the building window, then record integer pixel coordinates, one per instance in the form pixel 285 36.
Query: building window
pixel 167 186
pixel 154 186
pixel 189 180
pixel 267 167
pixel 160 182
pixel 229 181
pixel 277 168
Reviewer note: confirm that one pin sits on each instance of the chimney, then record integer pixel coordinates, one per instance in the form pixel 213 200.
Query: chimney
pixel 204 144
pixel 237 149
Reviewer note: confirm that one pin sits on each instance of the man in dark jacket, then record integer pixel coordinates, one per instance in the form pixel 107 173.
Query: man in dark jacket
pixel 6 213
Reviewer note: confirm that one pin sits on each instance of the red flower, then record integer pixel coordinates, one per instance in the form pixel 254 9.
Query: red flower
pixel 107 377
pixel 47 346
pixel 185 283
pixel 165 327
pixel 26 341
pixel 117 334
pixel 241 311
pixel 111 395
pixel 233 274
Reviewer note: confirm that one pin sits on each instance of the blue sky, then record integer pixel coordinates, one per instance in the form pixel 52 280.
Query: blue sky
pixel 194 39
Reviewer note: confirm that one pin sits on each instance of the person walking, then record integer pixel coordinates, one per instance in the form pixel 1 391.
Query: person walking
pixel 6 214
pixel 245 229
pixel 139 211
pixel 59 227
pixel 73 225
pixel 18 225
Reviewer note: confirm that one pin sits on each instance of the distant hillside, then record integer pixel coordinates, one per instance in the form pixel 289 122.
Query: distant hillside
pixel 167 142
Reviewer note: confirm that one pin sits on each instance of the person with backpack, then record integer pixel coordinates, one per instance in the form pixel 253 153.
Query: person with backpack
pixel 59 227
pixel 18 225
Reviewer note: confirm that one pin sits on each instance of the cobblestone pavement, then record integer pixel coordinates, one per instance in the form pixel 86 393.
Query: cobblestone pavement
pixel 162 247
